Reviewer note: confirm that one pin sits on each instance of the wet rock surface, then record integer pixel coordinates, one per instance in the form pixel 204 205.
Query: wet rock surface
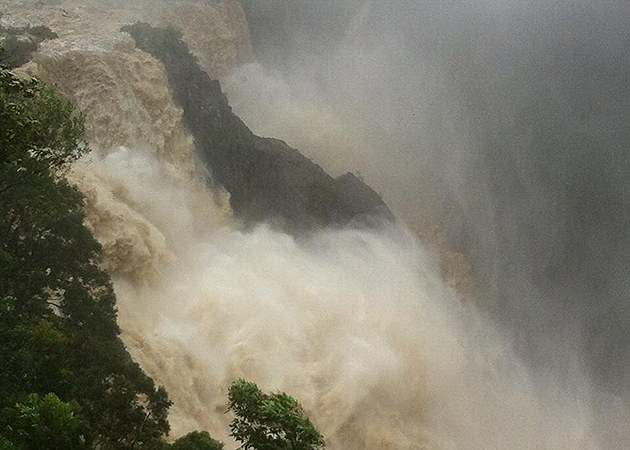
pixel 266 178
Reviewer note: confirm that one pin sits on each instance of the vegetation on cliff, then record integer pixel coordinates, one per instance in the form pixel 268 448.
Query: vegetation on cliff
pixel 58 330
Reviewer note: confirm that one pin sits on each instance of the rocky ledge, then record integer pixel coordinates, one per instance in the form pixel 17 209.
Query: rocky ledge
pixel 266 178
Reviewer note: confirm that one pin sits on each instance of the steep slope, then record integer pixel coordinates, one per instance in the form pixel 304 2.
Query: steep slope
pixel 267 179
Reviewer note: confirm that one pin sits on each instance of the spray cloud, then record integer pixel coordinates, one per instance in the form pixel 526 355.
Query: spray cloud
pixel 501 121
pixel 357 324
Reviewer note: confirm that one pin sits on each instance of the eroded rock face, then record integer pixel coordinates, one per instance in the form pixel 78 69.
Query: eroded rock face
pixel 267 179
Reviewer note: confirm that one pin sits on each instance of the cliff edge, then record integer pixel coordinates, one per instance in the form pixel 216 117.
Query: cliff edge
pixel 266 178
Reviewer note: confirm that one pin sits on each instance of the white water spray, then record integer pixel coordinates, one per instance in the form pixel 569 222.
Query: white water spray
pixel 356 324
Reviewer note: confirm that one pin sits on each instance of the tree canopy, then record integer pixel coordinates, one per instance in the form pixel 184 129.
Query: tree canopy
pixel 197 440
pixel 45 422
pixel 270 421
pixel 58 330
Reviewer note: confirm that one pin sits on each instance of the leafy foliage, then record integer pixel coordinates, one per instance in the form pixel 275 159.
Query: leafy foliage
pixel 46 422
pixel 270 421
pixel 5 444
pixel 197 440
pixel 58 331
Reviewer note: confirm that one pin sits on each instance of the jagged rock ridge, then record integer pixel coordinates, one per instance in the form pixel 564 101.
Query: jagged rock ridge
pixel 266 178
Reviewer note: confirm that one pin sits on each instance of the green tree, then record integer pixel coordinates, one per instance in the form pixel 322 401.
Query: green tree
pixel 58 330
pixel 47 422
pixel 197 440
pixel 5 444
pixel 270 421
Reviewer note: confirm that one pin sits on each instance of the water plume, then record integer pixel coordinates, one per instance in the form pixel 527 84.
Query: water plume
pixel 357 324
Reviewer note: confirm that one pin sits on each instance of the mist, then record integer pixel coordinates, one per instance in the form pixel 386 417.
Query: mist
pixel 495 129
pixel 358 324
pixel 501 123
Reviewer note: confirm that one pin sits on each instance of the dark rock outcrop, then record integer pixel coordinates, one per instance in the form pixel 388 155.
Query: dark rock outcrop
pixel 18 44
pixel 266 178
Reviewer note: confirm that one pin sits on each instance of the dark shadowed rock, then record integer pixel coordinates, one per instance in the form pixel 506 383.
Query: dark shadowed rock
pixel 267 179
pixel 17 44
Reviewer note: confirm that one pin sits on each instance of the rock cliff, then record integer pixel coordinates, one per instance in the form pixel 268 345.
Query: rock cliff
pixel 266 178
